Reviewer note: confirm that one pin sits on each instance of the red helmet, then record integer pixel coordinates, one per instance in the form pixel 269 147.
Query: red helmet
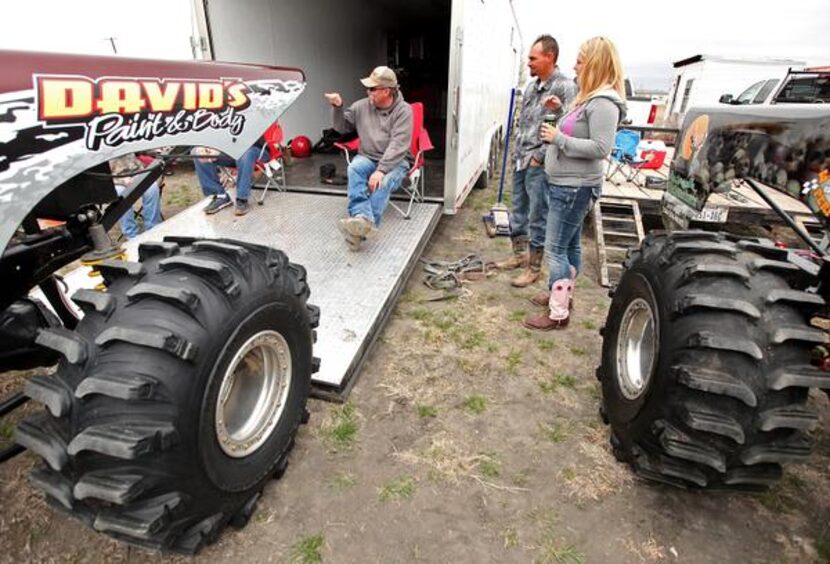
pixel 301 147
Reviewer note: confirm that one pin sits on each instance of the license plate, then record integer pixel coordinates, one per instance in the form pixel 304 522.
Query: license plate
pixel 711 214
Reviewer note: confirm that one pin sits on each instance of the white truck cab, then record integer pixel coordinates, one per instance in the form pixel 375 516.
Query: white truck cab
pixel 798 87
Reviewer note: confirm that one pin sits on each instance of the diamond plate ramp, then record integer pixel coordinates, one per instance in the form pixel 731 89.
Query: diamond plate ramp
pixel 355 291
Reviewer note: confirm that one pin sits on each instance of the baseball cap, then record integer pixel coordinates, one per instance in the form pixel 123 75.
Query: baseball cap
pixel 381 76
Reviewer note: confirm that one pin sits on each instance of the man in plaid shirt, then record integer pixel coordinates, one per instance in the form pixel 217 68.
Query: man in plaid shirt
pixel 550 92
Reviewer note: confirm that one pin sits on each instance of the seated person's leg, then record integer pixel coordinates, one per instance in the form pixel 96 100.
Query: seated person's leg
pixel 359 172
pixel 245 173
pixel 127 222
pixel 208 174
pixel 151 206
pixel 391 182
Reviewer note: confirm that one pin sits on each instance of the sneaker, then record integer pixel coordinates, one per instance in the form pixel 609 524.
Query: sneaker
pixel 353 241
pixel 217 203
pixel 242 207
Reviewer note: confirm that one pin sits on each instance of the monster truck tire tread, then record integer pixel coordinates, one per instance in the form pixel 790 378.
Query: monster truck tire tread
pixel 726 405
pixel 134 453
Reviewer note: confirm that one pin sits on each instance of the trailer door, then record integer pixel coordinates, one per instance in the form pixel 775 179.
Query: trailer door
pixel 484 57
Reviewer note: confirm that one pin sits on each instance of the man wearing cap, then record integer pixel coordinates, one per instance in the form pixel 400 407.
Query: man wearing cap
pixel 383 121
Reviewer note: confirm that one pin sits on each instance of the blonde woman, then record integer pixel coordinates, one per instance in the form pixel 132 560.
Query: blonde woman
pixel 574 167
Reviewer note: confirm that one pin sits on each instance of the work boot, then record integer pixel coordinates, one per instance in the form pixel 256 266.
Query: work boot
pixel 533 271
pixel 559 313
pixel 541 299
pixel 355 230
pixel 520 255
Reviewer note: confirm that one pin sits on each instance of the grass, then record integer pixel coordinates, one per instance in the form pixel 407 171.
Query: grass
pixel 402 488
pixel 582 283
pixel 568 474
pixel 307 550
pixel 475 404
pixel 555 433
pixel 558 380
pixel 579 351
pixel 784 496
pixel 518 315
pixel 520 478
pixel 469 339
pixel 546 344
pixel 551 549
pixel 341 430
pixel 6 430
pixel 514 358
pixel 822 545
pixel 342 482
pixel 420 314
pixel 511 537
pixel 589 325
pixel 489 466
pixel 427 411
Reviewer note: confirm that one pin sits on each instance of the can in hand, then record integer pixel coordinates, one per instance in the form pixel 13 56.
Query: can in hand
pixel 550 119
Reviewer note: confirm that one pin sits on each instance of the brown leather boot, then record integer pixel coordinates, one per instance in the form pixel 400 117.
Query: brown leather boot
pixel 557 316
pixel 533 271
pixel 541 299
pixel 520 255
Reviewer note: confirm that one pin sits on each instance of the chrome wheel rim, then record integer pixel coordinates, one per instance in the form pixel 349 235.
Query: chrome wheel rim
pixel 253 394
pixel 636 349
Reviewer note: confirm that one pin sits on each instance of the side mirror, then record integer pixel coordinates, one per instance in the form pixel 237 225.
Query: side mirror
pixel 725 99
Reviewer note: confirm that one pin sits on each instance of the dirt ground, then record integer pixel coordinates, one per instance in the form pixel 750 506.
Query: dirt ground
pixel 467 439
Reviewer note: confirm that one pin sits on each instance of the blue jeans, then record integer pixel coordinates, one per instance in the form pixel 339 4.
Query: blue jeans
pixel 567 211
pixel 371 204
pixel 150 211
pixel 530 205
pixel 209 175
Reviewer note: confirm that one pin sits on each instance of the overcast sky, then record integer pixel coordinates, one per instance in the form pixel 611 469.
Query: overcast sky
pixel 652 35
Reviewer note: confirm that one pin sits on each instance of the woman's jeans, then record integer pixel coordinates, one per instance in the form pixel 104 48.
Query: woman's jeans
pixel 567 208
pixel 371 204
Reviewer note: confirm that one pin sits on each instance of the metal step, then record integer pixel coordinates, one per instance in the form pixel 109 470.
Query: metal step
pixel 615 218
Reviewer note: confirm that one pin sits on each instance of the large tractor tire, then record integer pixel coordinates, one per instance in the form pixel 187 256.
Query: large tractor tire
pixel 179 394
pixel 706 362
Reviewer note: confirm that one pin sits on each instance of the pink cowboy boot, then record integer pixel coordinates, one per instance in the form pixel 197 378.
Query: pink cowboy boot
pixel 559 313
pixel 542 299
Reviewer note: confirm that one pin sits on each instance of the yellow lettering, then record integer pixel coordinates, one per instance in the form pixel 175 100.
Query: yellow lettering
pixel 190 93
pixel 161 100
pixel 64 98
pixel 210 96
pixel 119 96
pixel 237 98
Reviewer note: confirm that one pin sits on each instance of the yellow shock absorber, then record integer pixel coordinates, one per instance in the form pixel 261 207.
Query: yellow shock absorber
pixel 121 254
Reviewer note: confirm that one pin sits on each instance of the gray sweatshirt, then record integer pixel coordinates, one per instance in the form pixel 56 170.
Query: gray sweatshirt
pixel 385 135
pixel 586 136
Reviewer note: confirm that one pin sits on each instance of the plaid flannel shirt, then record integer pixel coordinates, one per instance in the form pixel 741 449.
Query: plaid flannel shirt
pixel 528 143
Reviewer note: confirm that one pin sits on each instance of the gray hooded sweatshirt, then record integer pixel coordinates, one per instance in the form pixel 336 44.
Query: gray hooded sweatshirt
pixel 385 135
pixel 586 136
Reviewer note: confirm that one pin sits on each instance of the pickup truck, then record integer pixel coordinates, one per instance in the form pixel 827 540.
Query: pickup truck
pixel 641 109
pixel 798 87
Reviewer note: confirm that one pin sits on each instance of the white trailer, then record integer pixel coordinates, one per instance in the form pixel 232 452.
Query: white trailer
pixel 459 57
pixel 702 79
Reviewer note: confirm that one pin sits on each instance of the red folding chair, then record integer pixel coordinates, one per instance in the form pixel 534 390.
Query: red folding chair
pixel 413 183
pixel 274 167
